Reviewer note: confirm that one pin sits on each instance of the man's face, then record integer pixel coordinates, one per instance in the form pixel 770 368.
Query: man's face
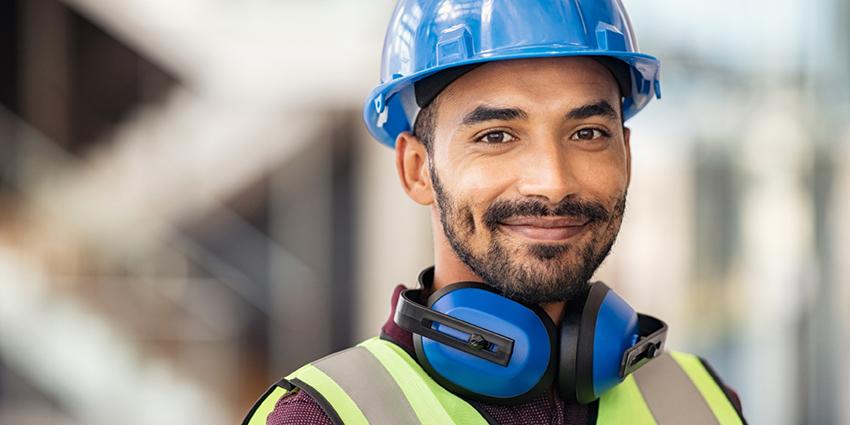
pixel 529 166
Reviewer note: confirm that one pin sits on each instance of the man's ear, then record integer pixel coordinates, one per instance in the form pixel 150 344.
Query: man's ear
pixel 627 134
pixel 411 162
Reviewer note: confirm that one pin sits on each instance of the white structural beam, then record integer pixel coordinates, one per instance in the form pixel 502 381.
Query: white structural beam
pixel 300 52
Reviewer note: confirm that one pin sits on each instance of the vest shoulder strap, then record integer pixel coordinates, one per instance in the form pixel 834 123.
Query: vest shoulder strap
pixel 675 388
pixel 375 382
pixel 431 403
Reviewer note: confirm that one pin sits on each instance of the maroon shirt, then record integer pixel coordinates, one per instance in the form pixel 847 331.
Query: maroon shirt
pixel 299 408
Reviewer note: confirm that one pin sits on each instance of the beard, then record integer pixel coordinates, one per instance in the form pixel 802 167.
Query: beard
pixel 535 273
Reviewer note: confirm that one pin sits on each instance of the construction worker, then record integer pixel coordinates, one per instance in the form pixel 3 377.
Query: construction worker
pixel 507 120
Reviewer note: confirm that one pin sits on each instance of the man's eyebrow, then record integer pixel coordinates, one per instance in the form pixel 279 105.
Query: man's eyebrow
pixel 489 113
pixel 599 108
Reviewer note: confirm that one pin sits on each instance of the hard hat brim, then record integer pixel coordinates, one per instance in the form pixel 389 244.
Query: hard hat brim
pixel 385 119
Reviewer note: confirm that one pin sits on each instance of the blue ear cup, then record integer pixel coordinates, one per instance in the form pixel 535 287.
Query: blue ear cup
pixel 593 339
pixel 531 365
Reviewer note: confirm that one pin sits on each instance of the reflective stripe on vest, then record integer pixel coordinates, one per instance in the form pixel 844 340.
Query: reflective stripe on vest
pixel 711 392
pixel 432 403
pixel 377 382
pixel 674 388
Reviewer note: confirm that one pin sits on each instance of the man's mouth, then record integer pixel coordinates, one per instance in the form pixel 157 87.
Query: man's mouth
pixel 545 229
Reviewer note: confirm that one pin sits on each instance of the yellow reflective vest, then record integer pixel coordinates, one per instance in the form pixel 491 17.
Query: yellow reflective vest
pixel 377 382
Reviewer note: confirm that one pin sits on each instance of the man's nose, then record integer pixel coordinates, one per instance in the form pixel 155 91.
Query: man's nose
pixel 547 172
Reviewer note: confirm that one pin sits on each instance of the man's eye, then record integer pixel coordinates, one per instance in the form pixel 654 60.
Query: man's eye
pixel 589 134
pixel 496 137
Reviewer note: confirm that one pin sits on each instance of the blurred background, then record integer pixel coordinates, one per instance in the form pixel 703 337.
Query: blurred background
pixel 190 207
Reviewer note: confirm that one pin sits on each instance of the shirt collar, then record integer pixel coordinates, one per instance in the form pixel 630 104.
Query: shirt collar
pixel 393 332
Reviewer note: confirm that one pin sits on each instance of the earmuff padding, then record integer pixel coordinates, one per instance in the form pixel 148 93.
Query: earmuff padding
pixel 577 331
pixel 587 333
pixel 542 385
pixel 568 344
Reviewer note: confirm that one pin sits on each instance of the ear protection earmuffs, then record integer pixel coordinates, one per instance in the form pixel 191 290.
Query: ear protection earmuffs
pixel 484 346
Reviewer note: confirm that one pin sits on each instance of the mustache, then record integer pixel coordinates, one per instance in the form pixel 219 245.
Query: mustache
pixel 568 207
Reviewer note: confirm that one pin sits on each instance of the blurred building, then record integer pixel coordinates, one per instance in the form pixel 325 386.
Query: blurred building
pixel 190 206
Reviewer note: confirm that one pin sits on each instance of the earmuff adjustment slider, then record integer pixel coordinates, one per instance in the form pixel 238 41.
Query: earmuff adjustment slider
pixel 650 345
pixel 480 342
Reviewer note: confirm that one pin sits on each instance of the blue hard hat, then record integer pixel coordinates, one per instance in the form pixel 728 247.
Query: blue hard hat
pixel 428 36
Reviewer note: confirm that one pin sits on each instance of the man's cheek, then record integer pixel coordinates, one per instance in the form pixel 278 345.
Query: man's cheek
pixel 468 219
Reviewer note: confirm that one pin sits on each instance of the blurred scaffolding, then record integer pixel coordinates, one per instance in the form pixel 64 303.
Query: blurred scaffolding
pixel 190 207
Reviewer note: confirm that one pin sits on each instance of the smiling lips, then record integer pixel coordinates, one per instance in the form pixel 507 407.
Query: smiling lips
pixel 550 229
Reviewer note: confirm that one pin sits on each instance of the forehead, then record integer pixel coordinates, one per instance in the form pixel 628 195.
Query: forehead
pixel 545 82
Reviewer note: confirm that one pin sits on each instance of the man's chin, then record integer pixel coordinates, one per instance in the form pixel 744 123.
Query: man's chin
pixel 545 288
pixel 550 253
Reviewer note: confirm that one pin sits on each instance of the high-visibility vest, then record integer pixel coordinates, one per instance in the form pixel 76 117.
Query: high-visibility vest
pixel 377 382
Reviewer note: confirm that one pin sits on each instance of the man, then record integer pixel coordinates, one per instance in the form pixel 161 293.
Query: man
pixel 507 119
